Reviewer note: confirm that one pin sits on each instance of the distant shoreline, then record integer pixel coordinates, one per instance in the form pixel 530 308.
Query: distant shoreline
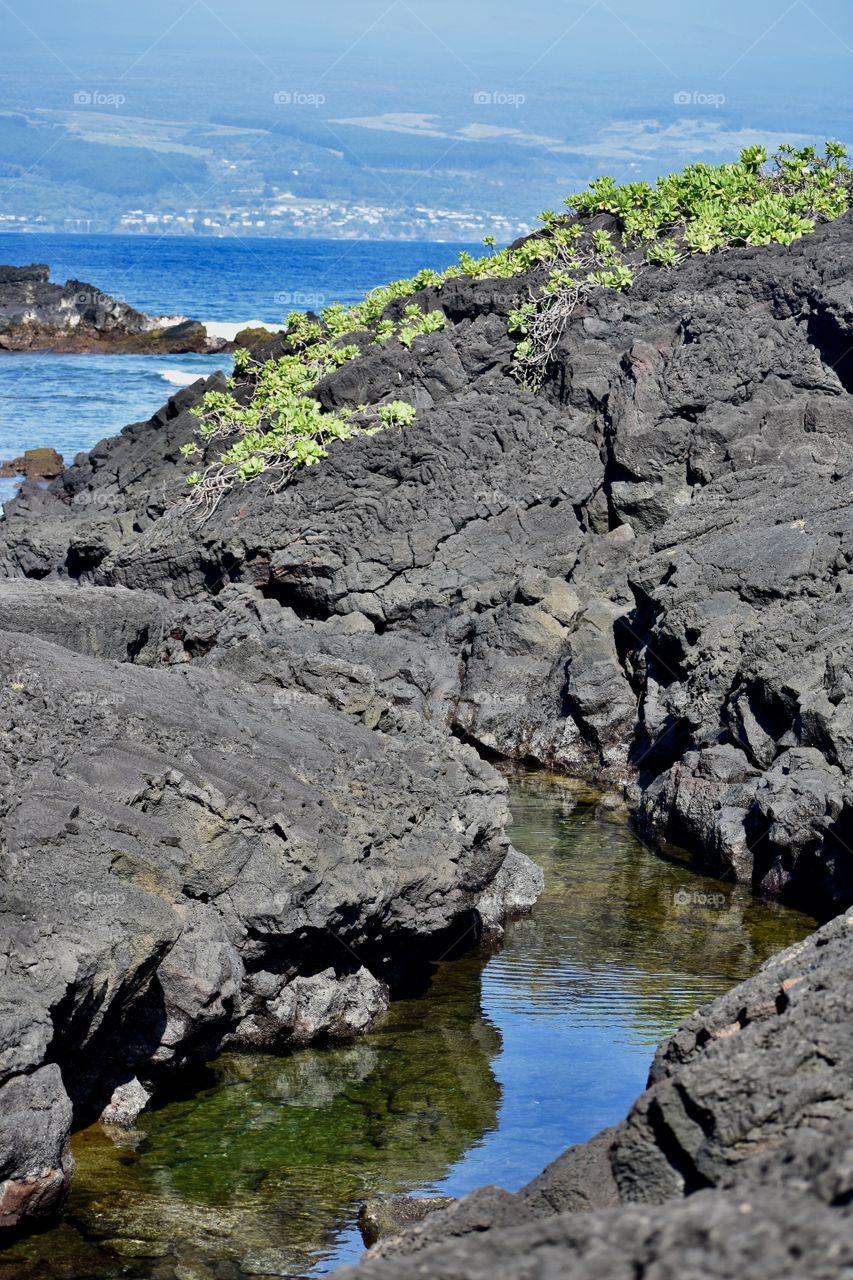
pixel 236 237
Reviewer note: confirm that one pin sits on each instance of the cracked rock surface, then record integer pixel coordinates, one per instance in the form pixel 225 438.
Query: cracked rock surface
pixel 186 862
pixel 248 729
pixel 641 574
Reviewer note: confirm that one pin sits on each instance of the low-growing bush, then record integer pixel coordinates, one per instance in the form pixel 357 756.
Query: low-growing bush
pixel 703 209
pixel 282 427
pixel 417 324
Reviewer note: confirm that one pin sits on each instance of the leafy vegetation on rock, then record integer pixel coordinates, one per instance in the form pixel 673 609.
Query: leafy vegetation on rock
pixel 610 235
pixel 704 209
pixel 418 323
pixel 282 427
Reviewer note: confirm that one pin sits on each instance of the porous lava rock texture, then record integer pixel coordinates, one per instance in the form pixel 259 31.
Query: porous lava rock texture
pixel 250 737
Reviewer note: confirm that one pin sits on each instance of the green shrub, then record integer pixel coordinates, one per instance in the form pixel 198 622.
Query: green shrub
pixel 417 324
pixel 283 428
pixel 664 253
pixel 397 414
pixel 385 329
pixel 703 209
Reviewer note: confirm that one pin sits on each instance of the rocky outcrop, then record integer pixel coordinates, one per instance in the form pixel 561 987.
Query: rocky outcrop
pixel 709 1236
pixel 34 464
pixel 188 862
pixel 734 1163
pixel 36 315
pixel 394 1213
pixel 639 575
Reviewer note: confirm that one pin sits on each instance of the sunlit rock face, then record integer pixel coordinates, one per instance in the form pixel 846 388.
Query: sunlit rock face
pixel 187 863
pixel 78 317
pixel 639 574
pixel 246 750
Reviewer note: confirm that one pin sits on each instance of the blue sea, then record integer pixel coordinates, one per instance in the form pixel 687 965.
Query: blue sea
pixel 69 402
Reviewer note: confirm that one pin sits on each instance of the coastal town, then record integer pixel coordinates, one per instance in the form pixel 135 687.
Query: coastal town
pixel 283 214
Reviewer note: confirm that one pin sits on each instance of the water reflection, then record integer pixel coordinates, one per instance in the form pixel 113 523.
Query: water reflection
pixel 510 1058
pixel 621 947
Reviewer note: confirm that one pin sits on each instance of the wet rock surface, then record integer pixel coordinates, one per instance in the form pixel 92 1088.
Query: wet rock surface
pixel 390 1214
pixel 34 464
pixel 37 315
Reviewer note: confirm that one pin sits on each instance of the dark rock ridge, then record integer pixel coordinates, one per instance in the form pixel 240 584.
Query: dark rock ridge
pixel 37 315
pixel 188 862
pixel 640 575
pixel 736 1161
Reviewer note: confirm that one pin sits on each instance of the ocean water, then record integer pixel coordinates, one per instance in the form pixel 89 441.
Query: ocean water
pixel 69 402
pixel 224 280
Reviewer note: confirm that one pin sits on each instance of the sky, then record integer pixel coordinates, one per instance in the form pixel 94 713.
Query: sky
pixel 631 87
pixel 783 51
pixel 782 58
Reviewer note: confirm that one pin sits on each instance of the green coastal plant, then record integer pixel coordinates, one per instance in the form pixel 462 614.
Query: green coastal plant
pixel 757 201
pixel 385 329
pixel 397 414
pixel 282 427
pixel 610 235
pixel 664 253
pixel 418 323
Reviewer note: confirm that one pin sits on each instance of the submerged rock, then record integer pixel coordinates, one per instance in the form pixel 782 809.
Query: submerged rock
pixel 377 1218
pixel 127 1102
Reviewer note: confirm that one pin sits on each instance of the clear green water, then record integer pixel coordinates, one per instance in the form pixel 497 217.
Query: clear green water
pixel 512 1056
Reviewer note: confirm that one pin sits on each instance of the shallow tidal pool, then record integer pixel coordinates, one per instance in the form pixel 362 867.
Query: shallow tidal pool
pixel 513 1055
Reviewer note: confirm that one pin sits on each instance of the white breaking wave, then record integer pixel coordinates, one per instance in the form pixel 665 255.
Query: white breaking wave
pixel 229 330
pixel 180 377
